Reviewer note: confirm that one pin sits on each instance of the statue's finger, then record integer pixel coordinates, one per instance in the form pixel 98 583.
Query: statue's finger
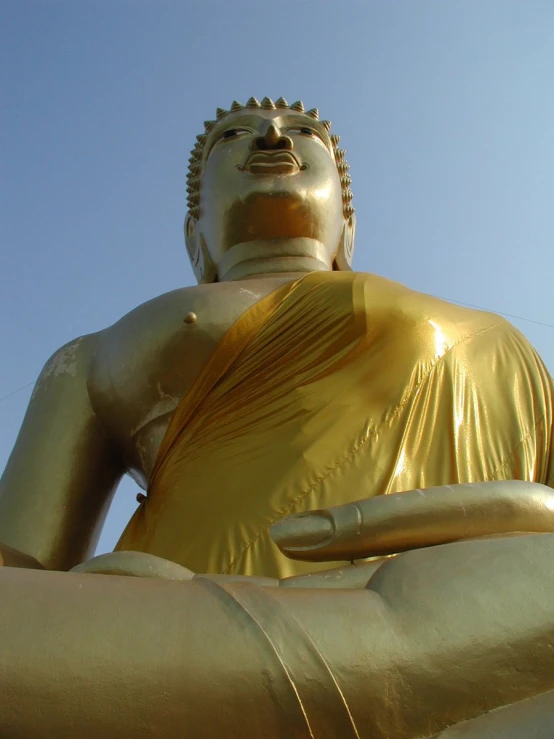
pixel 417 518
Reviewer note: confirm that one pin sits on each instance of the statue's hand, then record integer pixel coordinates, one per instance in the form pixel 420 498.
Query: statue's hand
pixel 399 522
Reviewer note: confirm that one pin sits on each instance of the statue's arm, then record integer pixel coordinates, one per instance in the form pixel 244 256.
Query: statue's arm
pixel 63 471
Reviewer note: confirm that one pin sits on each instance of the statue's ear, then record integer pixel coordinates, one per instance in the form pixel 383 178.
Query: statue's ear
pixel 343 260
pixel 202 266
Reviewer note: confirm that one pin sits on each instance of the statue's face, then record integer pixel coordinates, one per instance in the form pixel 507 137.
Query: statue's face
pixel 269 174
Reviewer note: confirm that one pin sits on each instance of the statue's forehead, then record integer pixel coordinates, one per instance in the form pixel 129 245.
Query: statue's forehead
pixel 261 115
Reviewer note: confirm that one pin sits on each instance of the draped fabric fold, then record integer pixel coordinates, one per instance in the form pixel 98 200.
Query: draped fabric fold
pixel 336 387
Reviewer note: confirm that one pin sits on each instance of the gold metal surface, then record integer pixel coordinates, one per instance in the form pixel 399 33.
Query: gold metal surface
pixel 439 635
pixel 387 422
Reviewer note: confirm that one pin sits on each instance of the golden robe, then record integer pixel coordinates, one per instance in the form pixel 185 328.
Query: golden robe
pixel 337 387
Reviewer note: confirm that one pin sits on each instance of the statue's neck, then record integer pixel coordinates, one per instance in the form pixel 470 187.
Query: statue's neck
pixel 273 256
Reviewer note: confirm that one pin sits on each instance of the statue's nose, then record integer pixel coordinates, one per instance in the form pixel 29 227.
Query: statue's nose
pixel 272 138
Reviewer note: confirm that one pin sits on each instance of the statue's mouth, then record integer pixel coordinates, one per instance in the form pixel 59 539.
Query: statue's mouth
pixel 272 162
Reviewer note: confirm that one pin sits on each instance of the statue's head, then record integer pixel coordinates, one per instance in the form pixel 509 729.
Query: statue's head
pixel 268 183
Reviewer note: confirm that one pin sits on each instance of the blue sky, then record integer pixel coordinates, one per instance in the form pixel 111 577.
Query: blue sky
pixel 445 108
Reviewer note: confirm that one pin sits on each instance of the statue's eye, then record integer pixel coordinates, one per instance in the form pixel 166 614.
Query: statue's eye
pixel 232 133
pixel 305 131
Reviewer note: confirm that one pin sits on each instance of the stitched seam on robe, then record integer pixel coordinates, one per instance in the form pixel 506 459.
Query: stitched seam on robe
pixel 512 452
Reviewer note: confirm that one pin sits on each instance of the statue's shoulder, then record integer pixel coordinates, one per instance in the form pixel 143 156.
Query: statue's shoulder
pixel 418 305
pixel 161 316
pixel 143 329
pixel 158 308
pixel 71 358
pixel 76 357
pixel 168 311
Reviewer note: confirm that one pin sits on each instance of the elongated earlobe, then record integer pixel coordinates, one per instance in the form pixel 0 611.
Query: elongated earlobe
pixel 202 266
pixel 345 254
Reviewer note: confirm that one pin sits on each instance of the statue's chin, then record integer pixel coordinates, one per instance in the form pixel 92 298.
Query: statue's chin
pixel 276 207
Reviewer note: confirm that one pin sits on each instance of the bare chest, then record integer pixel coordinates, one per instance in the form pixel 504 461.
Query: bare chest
pixel 148 361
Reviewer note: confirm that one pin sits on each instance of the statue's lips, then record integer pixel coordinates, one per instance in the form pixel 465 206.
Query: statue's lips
pixel 279 162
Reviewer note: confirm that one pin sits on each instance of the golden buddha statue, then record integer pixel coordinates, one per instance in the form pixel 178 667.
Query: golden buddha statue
pixel 284 417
